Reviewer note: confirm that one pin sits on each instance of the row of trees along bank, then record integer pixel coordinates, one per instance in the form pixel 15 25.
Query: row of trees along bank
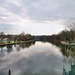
pixel 66 35
pixel 16 38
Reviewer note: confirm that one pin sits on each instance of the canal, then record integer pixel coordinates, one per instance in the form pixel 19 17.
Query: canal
pixel 36 58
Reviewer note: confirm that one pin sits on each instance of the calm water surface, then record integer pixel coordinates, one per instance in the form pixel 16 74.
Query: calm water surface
pixel 35 58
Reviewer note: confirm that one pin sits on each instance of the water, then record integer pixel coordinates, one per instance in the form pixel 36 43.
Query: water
pixel 36 58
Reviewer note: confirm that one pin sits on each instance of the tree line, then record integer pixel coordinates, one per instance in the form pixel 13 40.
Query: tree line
pixel 20 37
pixel 67 34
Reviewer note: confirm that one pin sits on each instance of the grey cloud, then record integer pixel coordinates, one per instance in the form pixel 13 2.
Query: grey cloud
pixel 59 9
pixel 42 9
pixel 17 11
pixel 5 27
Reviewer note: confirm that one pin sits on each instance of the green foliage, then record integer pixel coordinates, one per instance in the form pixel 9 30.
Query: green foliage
pixel 11 41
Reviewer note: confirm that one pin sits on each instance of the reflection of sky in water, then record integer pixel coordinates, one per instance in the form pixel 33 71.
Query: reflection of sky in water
pixel 38 59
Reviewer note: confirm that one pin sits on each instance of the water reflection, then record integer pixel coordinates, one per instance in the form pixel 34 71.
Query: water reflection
pixel 67 51
pixel 40 58
pixel 9 48
pixel 26 45
pixel 4 50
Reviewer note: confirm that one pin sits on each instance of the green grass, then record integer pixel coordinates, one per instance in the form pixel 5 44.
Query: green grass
pixel 4 42
pixel 12 42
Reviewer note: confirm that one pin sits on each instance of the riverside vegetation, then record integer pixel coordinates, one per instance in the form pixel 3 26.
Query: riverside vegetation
pixel 9 38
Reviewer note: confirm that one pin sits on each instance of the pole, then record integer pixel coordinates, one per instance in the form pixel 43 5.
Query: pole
pixel 9 73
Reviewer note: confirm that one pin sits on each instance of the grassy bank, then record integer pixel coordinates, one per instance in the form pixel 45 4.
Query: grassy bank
pixel 4 43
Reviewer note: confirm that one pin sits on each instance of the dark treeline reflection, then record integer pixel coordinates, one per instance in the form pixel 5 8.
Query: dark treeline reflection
pixel 26 45
pixel 9 48
pixel 67 51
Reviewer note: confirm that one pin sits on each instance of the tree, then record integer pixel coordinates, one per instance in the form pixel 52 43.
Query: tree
pixel 22 34
pixel 2 35
pixel 70 26
pixel 9 38
pixel 28 36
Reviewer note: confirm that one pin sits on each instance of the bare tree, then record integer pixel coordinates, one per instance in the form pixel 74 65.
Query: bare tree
pixel 70 25
pixel 1 36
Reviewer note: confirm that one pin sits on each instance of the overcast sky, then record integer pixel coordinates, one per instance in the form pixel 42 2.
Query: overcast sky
pixel 37 17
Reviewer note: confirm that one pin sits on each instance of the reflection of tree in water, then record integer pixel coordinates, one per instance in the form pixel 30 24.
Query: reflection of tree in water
pixel 68 51
pixel 26 45
pixel 2 53
pixel 9 48
pixel 17 47
pixel 23 45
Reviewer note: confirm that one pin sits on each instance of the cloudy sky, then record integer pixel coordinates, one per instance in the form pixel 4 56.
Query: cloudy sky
pixel 38 17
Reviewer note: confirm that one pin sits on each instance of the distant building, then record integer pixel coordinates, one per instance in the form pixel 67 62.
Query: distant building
pixel 5 39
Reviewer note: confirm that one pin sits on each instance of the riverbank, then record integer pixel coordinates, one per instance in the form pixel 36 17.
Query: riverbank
pixel 15 43
pixel 67 43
